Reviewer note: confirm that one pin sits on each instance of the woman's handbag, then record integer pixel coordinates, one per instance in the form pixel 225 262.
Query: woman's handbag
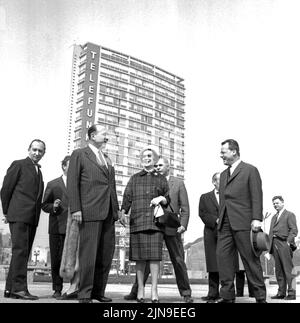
pixel 168 219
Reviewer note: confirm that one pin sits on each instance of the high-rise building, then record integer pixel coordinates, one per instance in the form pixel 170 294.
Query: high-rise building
pixel 139 103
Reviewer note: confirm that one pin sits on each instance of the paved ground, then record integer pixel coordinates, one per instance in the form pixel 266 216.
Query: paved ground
pixel 168 293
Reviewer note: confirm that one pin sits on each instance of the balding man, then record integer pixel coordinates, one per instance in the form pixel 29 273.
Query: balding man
pixel 93 203
pixel 21 197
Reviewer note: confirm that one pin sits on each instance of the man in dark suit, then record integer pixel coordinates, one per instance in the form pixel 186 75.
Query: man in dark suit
pixel 172 236
pixel 209 214
pixel 93 203
pixel 283 230
pixel 55 203
pixel 240 212
pixel 21 197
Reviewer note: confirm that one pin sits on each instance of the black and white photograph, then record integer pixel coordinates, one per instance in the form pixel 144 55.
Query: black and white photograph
pixel 149 154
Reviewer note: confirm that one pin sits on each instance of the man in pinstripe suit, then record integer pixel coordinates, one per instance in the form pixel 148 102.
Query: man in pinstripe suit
pixel 93 203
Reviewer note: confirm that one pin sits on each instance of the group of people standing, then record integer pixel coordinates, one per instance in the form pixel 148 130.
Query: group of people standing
pixel 230 212
pixel 86 195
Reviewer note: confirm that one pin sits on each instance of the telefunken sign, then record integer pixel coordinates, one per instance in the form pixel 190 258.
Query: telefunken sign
pixel 90 84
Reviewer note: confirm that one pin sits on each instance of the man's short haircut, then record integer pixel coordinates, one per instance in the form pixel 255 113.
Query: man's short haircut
pixel 232 145
pixel 165 159
pixel 214 176
pixel 65 161
pixel 278 197
pixel 37 140
pixel 92 129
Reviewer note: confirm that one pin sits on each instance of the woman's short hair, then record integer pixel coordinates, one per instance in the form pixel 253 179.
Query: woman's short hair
pixel 153 150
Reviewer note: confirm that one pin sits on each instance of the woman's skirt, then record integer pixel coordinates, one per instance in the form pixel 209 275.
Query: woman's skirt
pixel 146 245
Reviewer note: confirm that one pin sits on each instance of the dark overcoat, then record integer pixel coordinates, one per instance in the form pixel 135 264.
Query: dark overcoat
pixel 209 213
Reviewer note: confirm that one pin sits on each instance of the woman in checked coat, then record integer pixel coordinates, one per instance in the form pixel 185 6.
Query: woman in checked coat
pixel 144 191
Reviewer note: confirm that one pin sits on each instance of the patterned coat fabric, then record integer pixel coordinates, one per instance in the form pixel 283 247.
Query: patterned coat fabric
pixel 140 190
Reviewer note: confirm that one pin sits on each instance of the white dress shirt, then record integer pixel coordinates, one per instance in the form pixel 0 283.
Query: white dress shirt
pixel 279 214
pixel 64 178
pixel 217 195
pixel 234 166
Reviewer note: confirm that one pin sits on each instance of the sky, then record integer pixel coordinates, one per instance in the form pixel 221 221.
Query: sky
pixel 239 59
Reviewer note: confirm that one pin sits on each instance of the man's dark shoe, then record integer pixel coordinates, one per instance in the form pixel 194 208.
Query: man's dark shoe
pixel 85 300
pixel 212 300
pixel 209 298
pixel 6 294
pixel 188 299
pixel 278 296
pixel 102 299
pixel 66 296
pixel 239 295
pixel 261 301
pixel 23 295
pixel 290 298
pixel 57 294
pixel 130 297
pixel 30 295
pixel 223 300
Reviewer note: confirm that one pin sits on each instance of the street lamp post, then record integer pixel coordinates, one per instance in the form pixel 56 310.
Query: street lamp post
pixel 36 253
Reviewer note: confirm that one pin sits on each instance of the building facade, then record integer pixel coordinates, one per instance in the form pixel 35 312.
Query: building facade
pixel 139 103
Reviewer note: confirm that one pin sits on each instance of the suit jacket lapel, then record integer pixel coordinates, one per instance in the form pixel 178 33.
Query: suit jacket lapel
pixel 32 168
pixel 281 216
pixel 213 198
pixel 40 182
pixel 236 171
pixel 170 182
pixel 62 184
pixel 37 176
pixel 108 162
pixel 272 224
pixel 92 157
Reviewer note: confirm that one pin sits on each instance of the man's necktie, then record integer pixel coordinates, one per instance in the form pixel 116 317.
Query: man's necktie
pixel 218 197
pixel 276 217
pixel 228 173
pixel 37 167
pixel 102 160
